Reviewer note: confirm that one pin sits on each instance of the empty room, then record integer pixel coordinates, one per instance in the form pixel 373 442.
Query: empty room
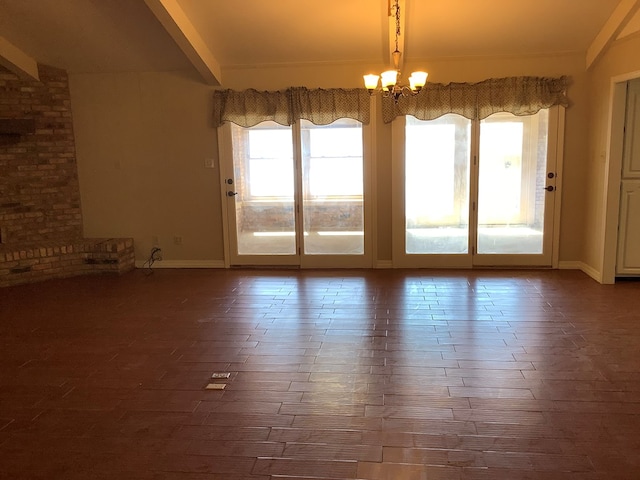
pixel 323 240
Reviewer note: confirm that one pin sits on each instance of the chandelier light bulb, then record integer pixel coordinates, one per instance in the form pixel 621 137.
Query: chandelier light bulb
pixel 389 79
pixel 371 81
pixel 417 80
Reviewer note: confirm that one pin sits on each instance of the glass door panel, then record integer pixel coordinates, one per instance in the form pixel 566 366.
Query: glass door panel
pixel 511 184
pixel 263 190
pixel 437 162
pixel 295 195
pixel 476 193
pixel 332 188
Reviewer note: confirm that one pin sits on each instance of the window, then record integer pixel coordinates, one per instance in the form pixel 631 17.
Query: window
pixel 333 155
pixel 269 172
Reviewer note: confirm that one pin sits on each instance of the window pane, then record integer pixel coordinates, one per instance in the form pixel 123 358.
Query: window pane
pixel 335 141
pixel 270 172
pixel 335 177
pixel 271 177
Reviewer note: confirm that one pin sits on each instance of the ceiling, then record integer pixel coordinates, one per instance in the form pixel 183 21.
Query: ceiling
pixel 86 36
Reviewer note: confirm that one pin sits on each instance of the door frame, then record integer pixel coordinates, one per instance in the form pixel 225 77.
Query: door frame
pixel 555 157
pixel 613 177
pixel 398 221
pixel 555 151
pixel 301 260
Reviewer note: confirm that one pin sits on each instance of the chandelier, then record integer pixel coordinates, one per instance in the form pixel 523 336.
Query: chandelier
pixel 391 85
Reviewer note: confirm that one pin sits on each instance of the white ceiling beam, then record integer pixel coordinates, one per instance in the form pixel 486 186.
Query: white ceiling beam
pixel 178 25
pixel 611 29
pixel 14 59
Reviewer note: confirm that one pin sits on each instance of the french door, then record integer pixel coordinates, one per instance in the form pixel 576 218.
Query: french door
pixel 295 196
pixel 476 193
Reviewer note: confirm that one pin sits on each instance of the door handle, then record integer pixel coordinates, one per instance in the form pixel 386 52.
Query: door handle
pixel 231 194
pixel 549 188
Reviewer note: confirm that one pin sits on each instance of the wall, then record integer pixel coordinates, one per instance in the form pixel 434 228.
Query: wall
pixel 39 194
pixel 142 139
pixel 620 59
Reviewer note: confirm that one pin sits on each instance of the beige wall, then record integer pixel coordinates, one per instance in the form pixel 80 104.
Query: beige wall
pixel 142 139
pixel 620 59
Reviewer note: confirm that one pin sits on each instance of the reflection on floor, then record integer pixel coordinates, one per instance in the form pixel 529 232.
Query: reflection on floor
pixel 334 375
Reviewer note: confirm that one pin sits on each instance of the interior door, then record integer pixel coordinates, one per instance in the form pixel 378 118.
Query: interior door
pixel 628 261
pixel 475 193
pixel 628 255
pixel 295 195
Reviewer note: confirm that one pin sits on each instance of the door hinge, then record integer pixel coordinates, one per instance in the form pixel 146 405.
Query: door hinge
pixel 473 206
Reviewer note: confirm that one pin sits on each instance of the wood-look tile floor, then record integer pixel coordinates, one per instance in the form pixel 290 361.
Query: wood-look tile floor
pixel 373 375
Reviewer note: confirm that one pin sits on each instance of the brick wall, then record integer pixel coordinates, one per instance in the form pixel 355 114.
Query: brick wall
pixel 40 213
pixel 59 259
pixel 39 193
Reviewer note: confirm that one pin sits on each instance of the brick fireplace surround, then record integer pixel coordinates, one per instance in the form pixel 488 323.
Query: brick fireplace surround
pixel 40 214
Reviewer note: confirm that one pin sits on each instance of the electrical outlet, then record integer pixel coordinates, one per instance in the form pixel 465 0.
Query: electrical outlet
pixel 209 162
pixel 177 240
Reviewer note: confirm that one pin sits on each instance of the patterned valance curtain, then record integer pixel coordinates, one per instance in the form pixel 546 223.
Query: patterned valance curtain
pixel 516 95
pixel 319 106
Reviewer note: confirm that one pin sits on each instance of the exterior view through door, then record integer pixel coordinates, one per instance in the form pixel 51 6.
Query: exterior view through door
pixel 475 192
pixel 296 195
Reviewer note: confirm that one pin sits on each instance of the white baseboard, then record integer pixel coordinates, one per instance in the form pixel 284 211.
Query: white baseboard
pixel 382 264
pixel 573 265
pixel 183 264
pixel 589 270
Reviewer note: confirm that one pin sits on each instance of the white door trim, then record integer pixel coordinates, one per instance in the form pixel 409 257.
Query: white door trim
pixel 612 176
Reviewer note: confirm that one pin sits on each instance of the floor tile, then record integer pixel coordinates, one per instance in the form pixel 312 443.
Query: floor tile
pixel 334 375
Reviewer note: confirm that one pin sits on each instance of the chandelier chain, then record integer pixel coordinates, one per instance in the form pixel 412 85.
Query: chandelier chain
pixel 397 9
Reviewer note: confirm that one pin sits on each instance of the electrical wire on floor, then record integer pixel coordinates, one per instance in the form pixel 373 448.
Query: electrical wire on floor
pixel 156 255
